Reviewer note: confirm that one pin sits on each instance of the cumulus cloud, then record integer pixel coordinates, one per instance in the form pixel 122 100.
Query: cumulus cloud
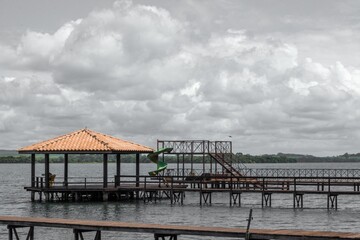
pixel 137 72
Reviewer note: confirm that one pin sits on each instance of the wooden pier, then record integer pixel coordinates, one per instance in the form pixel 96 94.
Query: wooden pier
pixel 171 232
pixel 226 177
pixel 173 188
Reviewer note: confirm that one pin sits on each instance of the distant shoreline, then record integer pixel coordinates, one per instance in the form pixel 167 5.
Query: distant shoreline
pixel 12 156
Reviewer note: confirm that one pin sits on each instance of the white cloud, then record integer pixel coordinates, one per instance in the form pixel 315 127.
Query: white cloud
pixel 137 71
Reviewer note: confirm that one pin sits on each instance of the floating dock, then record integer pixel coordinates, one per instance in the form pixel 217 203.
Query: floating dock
pixel 170 232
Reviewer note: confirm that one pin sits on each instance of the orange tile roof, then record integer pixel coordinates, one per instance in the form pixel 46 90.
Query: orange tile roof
pixel 85 140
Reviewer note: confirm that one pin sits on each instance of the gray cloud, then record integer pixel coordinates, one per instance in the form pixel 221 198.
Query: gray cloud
pixel 145 72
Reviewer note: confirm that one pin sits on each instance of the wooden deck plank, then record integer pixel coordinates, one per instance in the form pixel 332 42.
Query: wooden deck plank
pixel 173 229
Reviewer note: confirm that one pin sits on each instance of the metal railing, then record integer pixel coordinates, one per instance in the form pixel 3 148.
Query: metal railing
pixel 82 182
pixel 274 172
pixel 282 172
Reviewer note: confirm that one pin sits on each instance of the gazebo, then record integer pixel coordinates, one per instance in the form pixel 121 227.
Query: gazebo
pixel 84 141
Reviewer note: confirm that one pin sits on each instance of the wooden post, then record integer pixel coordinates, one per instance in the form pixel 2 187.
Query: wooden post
pixel 33 170
pixel 66 169
pixel 137 173
pixel 47 171
pixel 137 170
pixel 118 169
pixel 105 170
pixel 247 236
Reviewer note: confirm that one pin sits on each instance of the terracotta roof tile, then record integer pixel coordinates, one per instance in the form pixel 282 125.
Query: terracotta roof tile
pixel 85 140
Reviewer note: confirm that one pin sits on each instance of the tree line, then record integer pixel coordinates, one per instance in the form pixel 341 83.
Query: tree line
pixel 238 157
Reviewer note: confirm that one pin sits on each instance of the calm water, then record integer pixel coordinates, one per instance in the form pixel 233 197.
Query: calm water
pixel 16 201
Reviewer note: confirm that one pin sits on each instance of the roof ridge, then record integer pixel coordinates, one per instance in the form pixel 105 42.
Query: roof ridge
pixel 57 139
pixel 88 131
pixel 137 144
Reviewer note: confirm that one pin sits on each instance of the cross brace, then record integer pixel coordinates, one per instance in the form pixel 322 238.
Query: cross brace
pixel 205 197
pixel 235 197
pixel 13 232
pixel 159 236
pixel 266 199
pixel 78 234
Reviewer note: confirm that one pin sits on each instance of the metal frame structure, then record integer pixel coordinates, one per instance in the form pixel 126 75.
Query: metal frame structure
pixel 220 152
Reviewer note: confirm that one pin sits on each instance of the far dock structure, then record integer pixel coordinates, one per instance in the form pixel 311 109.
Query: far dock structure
pixel 220 173
pixel 84 141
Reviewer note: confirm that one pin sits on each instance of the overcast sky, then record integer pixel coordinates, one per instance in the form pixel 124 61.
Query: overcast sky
pixel 277 76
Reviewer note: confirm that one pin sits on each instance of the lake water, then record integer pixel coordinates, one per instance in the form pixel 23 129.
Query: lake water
pixel 14 200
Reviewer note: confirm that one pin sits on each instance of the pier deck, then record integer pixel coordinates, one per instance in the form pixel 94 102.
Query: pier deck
pixel 174 187
pixel 162 231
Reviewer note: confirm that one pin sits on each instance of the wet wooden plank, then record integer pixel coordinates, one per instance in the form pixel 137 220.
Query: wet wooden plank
pixel 174 229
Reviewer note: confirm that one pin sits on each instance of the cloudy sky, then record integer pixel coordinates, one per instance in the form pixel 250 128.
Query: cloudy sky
pixel 277 76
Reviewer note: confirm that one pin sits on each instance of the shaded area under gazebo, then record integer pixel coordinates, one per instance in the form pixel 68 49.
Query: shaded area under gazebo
pixel 84 141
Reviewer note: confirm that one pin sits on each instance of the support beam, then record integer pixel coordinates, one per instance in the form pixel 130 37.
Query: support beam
pixel 183 165
pixel 191 158
pixel 266 199
pixel 203 161
pixel 298 200
pixel 332 202
pixel 66 169
pixel 33 170
pixel 158 236
pixel 137 174
pixel 78 234
pixel 47 171
pixel 177 165
pixel 137 170
pixel 105 170
pixel 118 164
pixel 235 197
pixel 118 169
pixel 13 232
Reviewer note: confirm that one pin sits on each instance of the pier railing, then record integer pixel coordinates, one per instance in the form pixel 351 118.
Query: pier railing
pixel 198 176
pixel 150 188
pixel 196 146
pixel 83 182
pixel 228 181
pixel 274 172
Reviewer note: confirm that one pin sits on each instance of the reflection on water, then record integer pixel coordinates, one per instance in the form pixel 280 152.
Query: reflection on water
pixel 16 201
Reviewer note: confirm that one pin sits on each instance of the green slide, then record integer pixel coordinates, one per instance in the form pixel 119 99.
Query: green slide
pixel 154 157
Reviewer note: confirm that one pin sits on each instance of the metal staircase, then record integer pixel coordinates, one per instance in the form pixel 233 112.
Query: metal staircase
pixel 221 159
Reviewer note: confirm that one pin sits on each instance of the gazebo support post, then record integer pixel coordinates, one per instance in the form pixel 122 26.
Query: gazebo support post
pixel 118 169
pixel 137 173
pixel 66 169
pixel 47 171
pixel 105 170
pixel 47 176
pixel 33 176
pixel 105 176
pixel 33 170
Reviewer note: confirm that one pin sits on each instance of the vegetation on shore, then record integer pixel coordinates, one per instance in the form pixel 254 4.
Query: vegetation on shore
pixel 11 156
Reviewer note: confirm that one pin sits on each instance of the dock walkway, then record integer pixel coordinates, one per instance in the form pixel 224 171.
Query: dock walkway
pixel 170 232
pixel 174 188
